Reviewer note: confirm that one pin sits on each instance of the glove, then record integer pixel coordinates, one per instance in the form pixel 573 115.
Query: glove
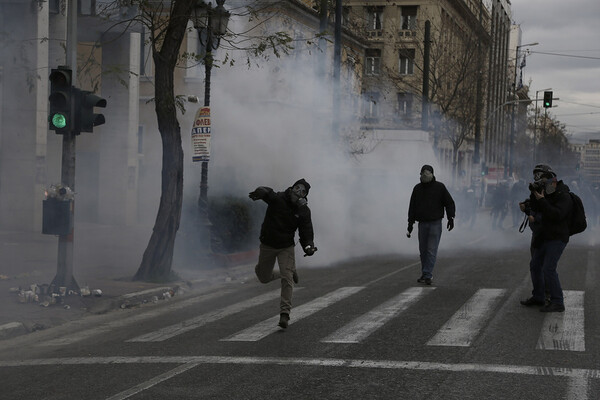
pixel 409 229
pixel 301 202
pixel 258 194
pixel 450 225
pixel 309 250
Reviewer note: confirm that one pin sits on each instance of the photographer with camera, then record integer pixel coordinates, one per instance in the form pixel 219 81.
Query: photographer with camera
pixel 549 207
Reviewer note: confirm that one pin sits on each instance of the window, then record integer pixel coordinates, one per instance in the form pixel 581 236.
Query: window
pixel 140 137
pixel 373 62
pixel 409 17
pixel 146 54
pixel 86 7
pixel 371 105
pixel 54 6
pixel 375 18
pixel 407 62
pixel 405 104
pixel 345 16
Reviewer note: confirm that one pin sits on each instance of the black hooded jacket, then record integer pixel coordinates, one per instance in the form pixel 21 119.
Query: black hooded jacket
pixel 428 201
pixel 282 219
pixel 556 210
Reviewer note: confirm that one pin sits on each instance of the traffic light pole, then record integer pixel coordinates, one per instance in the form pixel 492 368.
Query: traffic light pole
pixel 64 267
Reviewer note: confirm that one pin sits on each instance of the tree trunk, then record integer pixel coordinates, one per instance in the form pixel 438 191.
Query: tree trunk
pixel 158 256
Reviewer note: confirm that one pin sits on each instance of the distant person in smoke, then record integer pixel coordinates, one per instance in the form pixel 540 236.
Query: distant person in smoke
pixel 428 201
pixel 286 212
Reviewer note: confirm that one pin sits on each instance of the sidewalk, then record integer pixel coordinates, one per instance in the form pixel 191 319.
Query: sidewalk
pixel 105 259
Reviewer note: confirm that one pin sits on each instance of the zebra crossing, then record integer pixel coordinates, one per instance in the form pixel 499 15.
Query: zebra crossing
pixel 559 331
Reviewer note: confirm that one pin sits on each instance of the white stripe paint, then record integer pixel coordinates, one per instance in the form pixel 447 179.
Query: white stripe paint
pixel 533 370
pixel 130 320
pixel 368 323
pixel 269 326
pixel 565 331
pixel 465 324
pixel 152 382
pixel 579 387
pixel 201 320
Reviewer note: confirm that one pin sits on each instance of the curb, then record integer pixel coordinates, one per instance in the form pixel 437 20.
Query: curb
pixel 12 329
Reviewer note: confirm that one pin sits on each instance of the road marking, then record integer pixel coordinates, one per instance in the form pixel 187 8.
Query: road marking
pixel 534 370
pixel 193 323
pixel 133 319
pixel 152 382
pixel 465 324
pixel 578 389
pixel 363 326
pixel 565 331
pixel 268 326
pixel 393 273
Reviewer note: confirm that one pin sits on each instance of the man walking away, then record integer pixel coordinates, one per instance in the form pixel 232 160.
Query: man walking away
pixel 286 212
pixel 551 199
pixel 427 203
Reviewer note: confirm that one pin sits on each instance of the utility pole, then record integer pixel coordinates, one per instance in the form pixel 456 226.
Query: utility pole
pixel 425 94
pixel 337 60
pixel 64 269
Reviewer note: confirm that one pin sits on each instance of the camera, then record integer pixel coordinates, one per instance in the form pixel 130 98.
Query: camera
pixel 527 207
pixel 537 186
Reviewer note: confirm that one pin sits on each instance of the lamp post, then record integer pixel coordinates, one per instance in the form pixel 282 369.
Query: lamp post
pixel 535 122
pixel 514 110
pixel 211 24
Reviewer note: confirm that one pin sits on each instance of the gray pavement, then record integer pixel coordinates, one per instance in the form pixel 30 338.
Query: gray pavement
pixel 105 259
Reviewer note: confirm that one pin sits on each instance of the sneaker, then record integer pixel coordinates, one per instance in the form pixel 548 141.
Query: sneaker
pixel 532 302
pixel 283 320
pixel 553 307
pixel 424 280
pixel 295 277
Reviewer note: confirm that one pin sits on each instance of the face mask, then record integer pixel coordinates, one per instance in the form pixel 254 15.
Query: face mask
pixel 426 176
pixel 298 192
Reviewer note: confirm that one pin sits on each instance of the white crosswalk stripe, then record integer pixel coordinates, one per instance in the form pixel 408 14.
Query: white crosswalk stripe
pixel 363 326
pixel 560 331
pixel 465 324
pixel 269 326
pixel 185 326
pixel 565 331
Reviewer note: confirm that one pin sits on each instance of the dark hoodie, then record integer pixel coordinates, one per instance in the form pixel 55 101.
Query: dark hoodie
pixel 556 209
pixel 428 201
pixel 283 218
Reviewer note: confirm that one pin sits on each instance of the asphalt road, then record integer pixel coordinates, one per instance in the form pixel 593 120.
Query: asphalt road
pixel 362 329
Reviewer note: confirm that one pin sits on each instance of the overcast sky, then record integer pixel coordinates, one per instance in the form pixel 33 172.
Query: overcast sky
pixel 569 28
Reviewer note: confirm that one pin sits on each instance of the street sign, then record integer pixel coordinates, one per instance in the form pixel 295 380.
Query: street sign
pixel 201 135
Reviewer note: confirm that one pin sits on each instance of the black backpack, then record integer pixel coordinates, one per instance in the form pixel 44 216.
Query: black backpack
pixel 577 222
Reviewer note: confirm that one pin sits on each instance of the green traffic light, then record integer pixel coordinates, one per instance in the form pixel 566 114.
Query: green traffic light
pixel 59 121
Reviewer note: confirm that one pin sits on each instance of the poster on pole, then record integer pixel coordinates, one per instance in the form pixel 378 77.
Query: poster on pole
pixel 201 135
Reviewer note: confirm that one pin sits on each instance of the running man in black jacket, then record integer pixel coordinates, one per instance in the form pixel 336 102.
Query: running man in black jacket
pixel 286 212
pixel 427 203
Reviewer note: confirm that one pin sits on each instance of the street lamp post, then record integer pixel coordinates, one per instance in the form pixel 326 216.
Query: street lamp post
pixel 211 24
pixel 514 109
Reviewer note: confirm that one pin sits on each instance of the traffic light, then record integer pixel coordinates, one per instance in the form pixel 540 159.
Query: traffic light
pixel 60 118
pixel 547 99
pixel 86 119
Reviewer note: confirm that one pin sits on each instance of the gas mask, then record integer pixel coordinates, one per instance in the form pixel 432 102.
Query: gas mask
pixel 426 176
pixel 298 192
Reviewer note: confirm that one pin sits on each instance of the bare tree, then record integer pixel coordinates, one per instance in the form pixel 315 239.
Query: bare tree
pixel 456 63
pixel 167 23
